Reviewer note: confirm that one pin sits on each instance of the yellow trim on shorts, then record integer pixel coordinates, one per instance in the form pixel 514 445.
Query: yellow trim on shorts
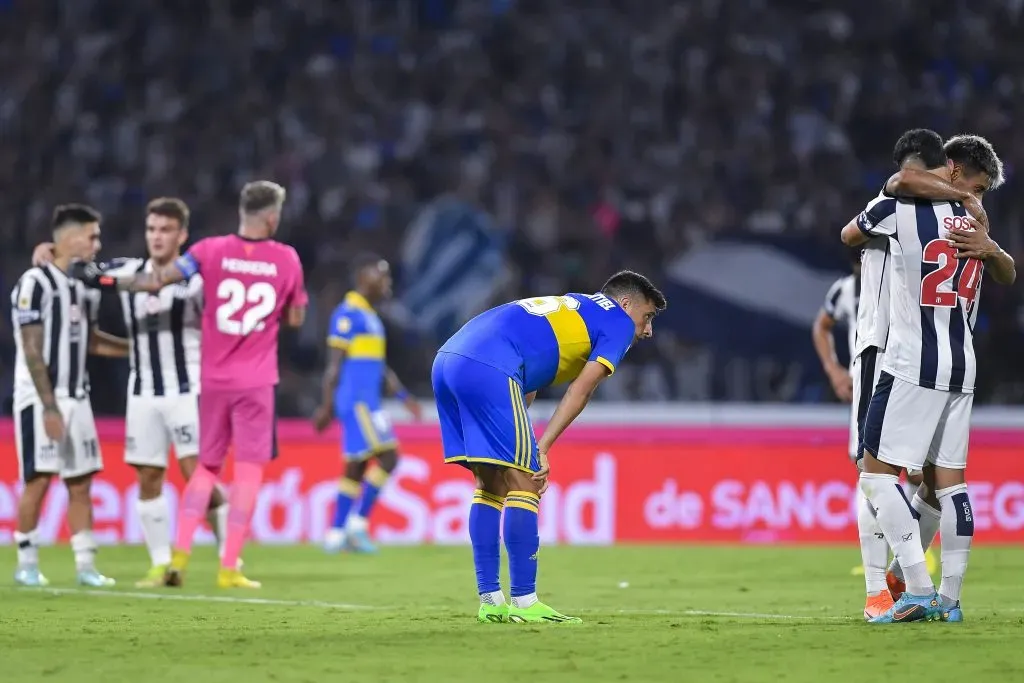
pixel 488 461
pixel 524 444
pixel 365 421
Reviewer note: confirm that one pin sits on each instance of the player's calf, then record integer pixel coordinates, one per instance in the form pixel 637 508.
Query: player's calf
pixel 26 538
pixel 83 544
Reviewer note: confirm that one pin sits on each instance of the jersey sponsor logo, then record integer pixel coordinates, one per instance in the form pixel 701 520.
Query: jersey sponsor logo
pixel 244 267
pixel 957 223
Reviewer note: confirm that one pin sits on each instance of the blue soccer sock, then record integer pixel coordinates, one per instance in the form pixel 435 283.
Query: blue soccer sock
pixel 485 535
pixel 348 489
pixel 522 541
pixel 373 482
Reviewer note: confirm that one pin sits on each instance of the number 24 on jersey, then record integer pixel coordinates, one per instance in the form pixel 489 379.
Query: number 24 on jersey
pixel 258 301
pixel 940 252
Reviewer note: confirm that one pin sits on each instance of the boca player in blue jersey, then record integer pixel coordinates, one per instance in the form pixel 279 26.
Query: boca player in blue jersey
pixel 486 376
pixel 354 380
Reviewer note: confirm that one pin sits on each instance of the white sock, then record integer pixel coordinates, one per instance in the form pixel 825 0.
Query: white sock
pixel 220 529
pixel 84 547
pixel 495 598
pixel 957 533
pixel 155 518
pixel 874 551
pixel 28 548
pixel 356 524
pixel 900 528
pixel 928 520
pixel 524 601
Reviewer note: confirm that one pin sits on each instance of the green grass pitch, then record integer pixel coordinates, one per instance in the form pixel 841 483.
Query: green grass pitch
pixel 408 615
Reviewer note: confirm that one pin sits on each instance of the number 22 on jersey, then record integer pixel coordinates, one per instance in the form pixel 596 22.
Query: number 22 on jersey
pixel 940 252
pixel 258 301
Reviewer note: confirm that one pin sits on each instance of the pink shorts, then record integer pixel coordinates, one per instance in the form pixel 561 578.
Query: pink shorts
pixel 244 416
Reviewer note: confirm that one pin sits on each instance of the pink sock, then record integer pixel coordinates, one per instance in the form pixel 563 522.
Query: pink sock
pixel 241 503
pixel 194 503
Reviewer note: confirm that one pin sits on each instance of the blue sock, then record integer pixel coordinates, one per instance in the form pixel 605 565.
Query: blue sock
pixel 348 489
pixel 373 482
pixel 522 541
pixel 485 535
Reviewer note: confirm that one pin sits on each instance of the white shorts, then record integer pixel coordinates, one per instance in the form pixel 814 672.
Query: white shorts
pixel 155 423
pixel 864 372
pixel 77 455
pixel 908 425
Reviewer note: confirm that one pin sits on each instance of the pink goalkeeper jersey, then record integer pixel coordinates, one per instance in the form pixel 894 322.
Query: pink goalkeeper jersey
pixel 247 286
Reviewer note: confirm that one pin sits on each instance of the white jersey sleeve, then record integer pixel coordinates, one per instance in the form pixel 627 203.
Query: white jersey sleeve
pixel 878 219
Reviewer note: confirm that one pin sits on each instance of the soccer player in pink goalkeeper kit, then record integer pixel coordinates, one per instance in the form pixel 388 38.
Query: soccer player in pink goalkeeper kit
pixel 251 282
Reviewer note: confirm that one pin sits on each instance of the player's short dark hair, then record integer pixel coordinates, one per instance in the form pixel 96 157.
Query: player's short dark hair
pixel 977 154
pixel 627 282
pixel 259 195
pixel 169 207
pixel 921 143
pixel 73 214
pixel 365 259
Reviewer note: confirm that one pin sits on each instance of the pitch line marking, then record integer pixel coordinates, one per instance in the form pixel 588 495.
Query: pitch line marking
pixel 186 597
pixel 273 602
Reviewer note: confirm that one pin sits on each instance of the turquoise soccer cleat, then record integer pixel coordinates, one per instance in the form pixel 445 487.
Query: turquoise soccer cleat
pixel 31 577
pixel 911 608
pixel 93 579
pixel 359 542
pixel 954 614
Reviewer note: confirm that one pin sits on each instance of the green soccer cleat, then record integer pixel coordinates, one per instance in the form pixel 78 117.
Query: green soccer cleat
pixel 537 613
pixel 492 614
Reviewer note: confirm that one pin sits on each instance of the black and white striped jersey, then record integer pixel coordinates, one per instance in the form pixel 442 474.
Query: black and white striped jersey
pixel 65 309
pixel 164 334
pixel 934 296
pixel 841 305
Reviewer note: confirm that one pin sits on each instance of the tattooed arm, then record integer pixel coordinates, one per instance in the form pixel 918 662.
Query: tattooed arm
pixel 32 344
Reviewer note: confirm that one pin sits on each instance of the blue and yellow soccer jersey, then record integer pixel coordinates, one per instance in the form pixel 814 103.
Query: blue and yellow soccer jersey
pixel 481 375
pixel 357 329
pixel 547 340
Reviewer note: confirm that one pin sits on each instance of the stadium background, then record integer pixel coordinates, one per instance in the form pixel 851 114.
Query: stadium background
pixel 502 148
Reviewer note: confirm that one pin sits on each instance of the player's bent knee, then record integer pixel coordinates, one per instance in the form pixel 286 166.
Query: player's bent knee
pixel 388 460
pixel 872 465
pixel 518 480
pixel 354 470
pixel 490 478
pixel 79 486
pixel 151 481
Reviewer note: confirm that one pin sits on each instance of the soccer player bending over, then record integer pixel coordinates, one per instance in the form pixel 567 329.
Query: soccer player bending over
pixel 919 415
pixel 251 284
pixel 486 376
pixel 356 348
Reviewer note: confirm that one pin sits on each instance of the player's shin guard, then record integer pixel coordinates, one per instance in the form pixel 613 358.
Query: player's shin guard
pixel 957 527
pixel 899 524
pixel 485 535
pixel 874 551
pixel 84 546
pixel 155 520
pixel 928 520
pixel 28 548
pixel 348 490
pixel 373 482
pixel 522 541
pixel 194 504
pixel 245 490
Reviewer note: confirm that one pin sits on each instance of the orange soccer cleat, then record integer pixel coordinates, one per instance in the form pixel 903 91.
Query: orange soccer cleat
pixel 897 586
pixel 877 604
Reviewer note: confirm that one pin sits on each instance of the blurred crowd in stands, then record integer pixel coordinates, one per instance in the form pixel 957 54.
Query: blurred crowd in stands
pixel 578 136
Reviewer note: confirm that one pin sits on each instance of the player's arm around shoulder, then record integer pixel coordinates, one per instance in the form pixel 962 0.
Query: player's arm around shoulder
pixel 102 343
